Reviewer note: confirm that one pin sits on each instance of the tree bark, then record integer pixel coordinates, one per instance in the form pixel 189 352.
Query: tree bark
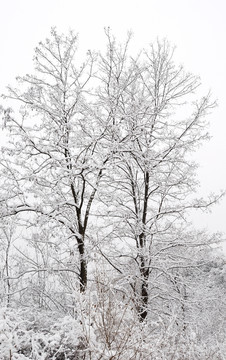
pixel 83 265
pixel 143 311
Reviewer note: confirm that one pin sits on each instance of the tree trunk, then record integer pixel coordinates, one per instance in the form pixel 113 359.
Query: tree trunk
pixel 143 298
pixel 83 265
pixel 143 301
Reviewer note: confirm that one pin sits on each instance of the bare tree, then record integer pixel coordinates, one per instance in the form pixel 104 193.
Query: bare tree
pixel 54 164
pixel 153 176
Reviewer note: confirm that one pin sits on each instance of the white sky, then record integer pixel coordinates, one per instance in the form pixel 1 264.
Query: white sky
pixel 196 27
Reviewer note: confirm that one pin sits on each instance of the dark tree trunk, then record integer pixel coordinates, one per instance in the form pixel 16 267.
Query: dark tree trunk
pixel 83 274
pixel 83 265
pixel 143 312
pixel 144 269
pixel 143 298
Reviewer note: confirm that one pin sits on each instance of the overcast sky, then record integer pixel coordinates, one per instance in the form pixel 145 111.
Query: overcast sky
pixel 196 27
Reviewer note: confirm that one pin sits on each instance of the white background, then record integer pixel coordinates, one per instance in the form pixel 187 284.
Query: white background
pixel 196 27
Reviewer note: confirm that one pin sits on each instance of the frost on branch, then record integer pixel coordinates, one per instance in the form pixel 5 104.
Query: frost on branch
pixel 97 184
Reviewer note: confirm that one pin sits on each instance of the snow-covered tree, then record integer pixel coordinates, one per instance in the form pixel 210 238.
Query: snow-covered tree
pixel 98 169
pixel 155 126
pixel 54 162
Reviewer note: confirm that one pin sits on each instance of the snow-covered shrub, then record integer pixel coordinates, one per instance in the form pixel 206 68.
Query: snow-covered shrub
pixel 39 336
